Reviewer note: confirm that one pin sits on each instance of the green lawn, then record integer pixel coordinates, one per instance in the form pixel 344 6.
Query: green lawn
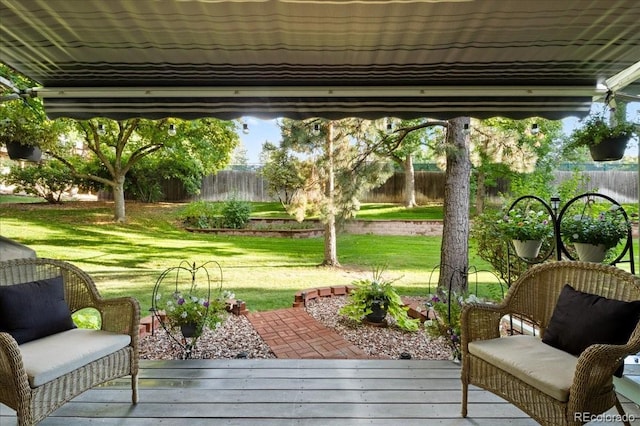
pixel 265 272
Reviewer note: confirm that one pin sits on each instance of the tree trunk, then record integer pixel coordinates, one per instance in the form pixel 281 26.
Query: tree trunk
pixel 330 243
pixel 454 253
pixel 409 183
pixel 118 199
pixel 481 191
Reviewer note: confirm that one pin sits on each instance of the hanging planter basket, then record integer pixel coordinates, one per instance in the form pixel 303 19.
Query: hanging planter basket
pixel 590 252
pixel 609 149
pixel 527 249
pixel 20 151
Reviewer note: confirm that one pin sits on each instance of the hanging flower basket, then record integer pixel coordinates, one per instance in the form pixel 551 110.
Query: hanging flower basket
pixel 20 151
pixel 610 149
pixel 590 252
pixel 527 249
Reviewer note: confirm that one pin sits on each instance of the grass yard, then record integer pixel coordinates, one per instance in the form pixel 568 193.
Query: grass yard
pixel 127 259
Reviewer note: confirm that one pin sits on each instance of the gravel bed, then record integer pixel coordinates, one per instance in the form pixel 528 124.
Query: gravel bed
pixel 379 342
pixel 236 338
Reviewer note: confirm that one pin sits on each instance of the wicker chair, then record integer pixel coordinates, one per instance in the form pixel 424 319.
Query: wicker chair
pixel 533 297
pixel 119 315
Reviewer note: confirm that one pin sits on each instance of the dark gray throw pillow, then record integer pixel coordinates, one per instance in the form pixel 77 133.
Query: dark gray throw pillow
pixel 580 320
pixel 33 310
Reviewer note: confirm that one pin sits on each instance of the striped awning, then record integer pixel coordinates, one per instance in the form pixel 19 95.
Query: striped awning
pixel 329 58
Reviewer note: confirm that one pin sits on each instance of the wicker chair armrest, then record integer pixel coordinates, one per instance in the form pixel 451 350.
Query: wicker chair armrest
pixel 13 377
pixel 120 315
pixel 595 369
pixel 480 321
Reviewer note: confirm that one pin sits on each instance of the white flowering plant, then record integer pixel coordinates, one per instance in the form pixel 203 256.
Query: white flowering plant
pixel 526 224
pixel 182 310
pixel 607 227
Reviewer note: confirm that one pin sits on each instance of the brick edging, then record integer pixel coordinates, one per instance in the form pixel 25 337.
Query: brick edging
pixel 303 296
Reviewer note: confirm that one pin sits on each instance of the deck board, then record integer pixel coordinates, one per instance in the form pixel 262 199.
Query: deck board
pixel 289 392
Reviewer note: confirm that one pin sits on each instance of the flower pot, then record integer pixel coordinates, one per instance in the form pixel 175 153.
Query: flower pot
pixel 20 151
pixel 527 249
pixel 609 149
pixel 590 252
pixel 378 312
pixel 189 330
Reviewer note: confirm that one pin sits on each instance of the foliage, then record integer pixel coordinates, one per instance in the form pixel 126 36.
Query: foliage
pixel 491 247
pixel 445 312
pixel 595 129
pixel 377 289
pixel 608 227
pixel 24 120
pixel 526 224
pixel 281 171
pixel 48 180
pixel 235 214
pixel 87 318
pixel 201 214
pixel 191 309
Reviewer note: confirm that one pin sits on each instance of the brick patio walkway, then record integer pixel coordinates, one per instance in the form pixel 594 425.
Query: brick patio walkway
pixel 293 333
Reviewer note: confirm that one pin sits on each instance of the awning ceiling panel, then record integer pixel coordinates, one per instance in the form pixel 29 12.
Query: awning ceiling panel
pixel 319 48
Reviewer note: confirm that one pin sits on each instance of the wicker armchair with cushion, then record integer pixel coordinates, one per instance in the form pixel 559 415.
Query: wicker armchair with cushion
pixel 45 360
pixel 587 316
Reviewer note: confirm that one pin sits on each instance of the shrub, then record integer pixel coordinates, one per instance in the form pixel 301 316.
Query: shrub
pixel 235 214
pixel 200 214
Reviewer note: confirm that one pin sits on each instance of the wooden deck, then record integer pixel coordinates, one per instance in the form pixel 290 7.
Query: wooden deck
pixel 289 392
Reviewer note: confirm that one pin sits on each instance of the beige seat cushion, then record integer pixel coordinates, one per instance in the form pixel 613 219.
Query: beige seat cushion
pixel 544 367
pixel 53 356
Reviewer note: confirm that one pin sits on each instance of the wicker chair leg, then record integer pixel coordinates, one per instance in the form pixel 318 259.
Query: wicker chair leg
pixel 622 413
pixel 465 388
pixel 134 388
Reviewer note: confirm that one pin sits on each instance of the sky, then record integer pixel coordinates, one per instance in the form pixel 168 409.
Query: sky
pixel 267 130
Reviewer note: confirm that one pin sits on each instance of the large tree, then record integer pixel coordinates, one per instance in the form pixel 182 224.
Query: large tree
pixel 202 146
pixel 454 252
pixel 505 148
pixel 339 167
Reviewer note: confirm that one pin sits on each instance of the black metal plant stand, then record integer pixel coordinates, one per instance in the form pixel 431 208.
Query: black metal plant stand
pixel 188 279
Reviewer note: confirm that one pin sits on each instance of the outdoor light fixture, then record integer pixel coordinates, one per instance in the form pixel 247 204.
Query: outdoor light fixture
pixel 101 129
pixel 555 204
pixel 316 129
pixel 389 126
pixel 172 130
pixel 465 129
pixel 245 128
pixel 535 129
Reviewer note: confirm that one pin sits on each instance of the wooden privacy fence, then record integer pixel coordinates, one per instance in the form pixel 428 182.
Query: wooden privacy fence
pixel 251 186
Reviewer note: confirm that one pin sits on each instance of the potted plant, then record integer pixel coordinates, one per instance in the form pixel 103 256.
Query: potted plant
pixel 372 299
pixel 190 313
pixel 526 228
pixel 593 235
pixel 606 142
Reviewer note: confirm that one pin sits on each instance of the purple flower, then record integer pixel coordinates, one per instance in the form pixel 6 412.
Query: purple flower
pixel 181 301
pixel 435 299
pixel 206 304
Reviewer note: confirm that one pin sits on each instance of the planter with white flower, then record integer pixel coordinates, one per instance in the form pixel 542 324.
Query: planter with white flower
pixel 594 234
pixel 527 229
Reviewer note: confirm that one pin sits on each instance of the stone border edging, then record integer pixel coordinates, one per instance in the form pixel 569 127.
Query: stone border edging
pixel 302 296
